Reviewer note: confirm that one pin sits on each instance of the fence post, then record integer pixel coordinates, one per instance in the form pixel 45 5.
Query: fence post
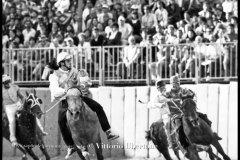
pixel 147 70
pixel 101 66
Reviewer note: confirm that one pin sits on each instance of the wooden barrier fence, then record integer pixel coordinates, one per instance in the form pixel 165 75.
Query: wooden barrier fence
pixel 131 119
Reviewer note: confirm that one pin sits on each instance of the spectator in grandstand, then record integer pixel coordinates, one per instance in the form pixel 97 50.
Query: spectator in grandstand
pixel 194 22
pixel 115 36
pixel 161 14
pixel 158 69
pixel 12 36
pixel 129 64
pixel 70 33
pixel 202 26
pixel 97 39
pixel 208 34
pixel 42 31
pixel 125 29
pixel 158 37
pixel 43 42
pixel 174 12
pixel 28 31
pixel 19 35
pixel 187 19
pixel 212 58
pixel 136 26
pixel 74 23
pixel 186 67
pixel 179 39
pixel 230 50
pixel 108 28
pixel 11 25
pixel 38 70
pixel 234 21
pixel 191 35
pixel 170 37
pixel 206 9
pixel 84 48
pixel 220 15
pixel 101 29
pixel 105 14
pixel 149 20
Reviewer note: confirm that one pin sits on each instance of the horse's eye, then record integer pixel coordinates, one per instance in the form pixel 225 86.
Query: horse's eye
pixel 39 100
pixel 29 102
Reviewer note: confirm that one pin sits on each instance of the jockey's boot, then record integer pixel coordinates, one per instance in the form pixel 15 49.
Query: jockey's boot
pixel 70 151
pixel 111 136
pixel 14 143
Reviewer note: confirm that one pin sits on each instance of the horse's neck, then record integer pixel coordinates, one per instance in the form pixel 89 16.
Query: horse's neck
pixel 26 119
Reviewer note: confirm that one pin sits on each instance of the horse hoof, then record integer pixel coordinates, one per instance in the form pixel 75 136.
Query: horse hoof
pixel 24 157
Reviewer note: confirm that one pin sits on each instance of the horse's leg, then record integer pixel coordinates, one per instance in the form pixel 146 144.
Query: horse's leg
pixel 79 152
pixel 193 154
pixel 24 156
pixel 165 153
pixel 98 150
pixel 216 144
pixel 212 156
pixel 31 153
pixel 176 153
pixel 44 151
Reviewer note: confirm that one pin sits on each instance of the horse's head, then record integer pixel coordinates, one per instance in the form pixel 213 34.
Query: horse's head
pixel 75 102
pixel 189 109
pixel 32 104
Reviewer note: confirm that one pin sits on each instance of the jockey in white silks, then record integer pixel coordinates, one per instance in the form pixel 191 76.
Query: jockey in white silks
pixel 58 88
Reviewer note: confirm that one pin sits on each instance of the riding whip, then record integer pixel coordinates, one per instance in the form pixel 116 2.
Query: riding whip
pixel 176 106
pixel 52 106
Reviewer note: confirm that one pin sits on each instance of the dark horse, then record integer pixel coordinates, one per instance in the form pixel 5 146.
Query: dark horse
pixel 198 132
pixel 159 138
pixel 28 133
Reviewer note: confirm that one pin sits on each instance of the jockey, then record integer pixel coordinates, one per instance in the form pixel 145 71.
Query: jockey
pixel 11 100
pixel 160 102
pixel 58 88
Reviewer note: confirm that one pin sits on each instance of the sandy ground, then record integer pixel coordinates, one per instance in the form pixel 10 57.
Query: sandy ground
pixel 74 157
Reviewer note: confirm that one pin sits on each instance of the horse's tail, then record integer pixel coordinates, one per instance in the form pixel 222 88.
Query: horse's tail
pixel 148 135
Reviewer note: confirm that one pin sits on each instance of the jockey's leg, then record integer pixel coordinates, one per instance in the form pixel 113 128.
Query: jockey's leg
pixel 96 107
pixel 11 111
pixel 167 128
pixel 66 134
pixel 180 136
pixel 41 127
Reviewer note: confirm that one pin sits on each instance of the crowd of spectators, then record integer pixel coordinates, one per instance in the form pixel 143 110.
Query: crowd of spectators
pixel 54 23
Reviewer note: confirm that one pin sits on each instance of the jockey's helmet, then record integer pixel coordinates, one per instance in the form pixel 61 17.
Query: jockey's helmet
pixel 63 56
pixel 5 78
pixel 174 79
pixel 160 83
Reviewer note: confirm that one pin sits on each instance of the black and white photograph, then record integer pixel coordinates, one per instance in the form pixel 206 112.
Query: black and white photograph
pixel 119 80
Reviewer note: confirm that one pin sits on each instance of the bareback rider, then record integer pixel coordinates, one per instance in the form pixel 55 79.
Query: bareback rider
pixel 58 88
pixel 177 93
pixel 160 101
pixel 13 100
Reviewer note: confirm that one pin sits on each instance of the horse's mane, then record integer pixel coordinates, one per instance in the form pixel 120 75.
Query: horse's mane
pixel 189 102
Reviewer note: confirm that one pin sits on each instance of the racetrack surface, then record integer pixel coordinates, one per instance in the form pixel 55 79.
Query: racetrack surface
pixel 74 157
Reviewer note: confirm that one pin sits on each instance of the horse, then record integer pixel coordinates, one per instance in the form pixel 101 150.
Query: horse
pixel 159 138
pixel 83 123
pixel 198 132
pixel 28 133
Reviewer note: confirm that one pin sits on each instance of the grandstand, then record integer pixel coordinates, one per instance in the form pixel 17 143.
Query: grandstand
pixel 130 42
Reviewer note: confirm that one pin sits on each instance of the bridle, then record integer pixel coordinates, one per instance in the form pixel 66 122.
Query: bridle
pixel 81 96
pixel 34 101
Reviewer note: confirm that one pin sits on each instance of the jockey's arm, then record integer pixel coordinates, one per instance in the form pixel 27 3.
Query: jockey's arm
pixel 55 89
pixel 19 94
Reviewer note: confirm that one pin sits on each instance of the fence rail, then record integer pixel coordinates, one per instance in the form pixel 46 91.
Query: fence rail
pixel 145 64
